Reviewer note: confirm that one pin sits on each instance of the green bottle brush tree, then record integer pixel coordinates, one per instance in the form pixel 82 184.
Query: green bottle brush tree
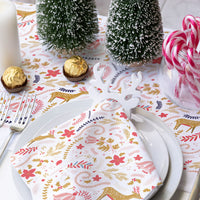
pixel 67 25
pixel 134 31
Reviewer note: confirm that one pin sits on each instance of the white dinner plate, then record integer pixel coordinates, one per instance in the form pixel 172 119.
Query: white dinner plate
pixel 175 155
pixel 152 140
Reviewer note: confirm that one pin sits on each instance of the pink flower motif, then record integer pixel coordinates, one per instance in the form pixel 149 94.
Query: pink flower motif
pixel 53 73
pixel 28 173
pixel 80 146
pixel 96 178
pixel 163 115
pixel 134 134
pixel 39 88
pixel 117 160
pixel 138 157
pixel 68 133
pixel 36 37
pixel 123 115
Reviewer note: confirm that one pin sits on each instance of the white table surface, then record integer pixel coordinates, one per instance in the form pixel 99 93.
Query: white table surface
pixel 173 11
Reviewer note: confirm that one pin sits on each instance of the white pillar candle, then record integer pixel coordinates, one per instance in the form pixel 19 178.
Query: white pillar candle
pixel 9 40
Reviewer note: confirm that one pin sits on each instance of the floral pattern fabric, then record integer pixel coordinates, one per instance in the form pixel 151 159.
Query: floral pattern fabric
pixel 96 154
pixel 45 78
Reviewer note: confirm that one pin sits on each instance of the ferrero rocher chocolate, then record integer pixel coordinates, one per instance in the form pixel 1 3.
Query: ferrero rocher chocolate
pixel 14 79
pixel 75 68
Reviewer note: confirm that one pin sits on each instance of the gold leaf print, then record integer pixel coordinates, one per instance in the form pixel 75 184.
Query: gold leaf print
pixel 87 181
pixel 154 92
pixel 121 176
pixel 24 45
pixel 146 190
pixel 195 165
pixel 109 165
pixel 138 180
pixel 100 143
pixel 126 133
pixel 45 190
pixel 35 66
pixel 51 152
pixel 45 63
pixel 49 107
pixel 62 83
pixel 121 154
pixel 172 109
pixel 155 85
pixel 104 148
pixel 66 185
pixel 109 172
pixel 34 44
pixel 60 145
pixel 110 140
pixel 106 121
pixel 29 166
pixel 36 60
pixel 38 172
pixel 67 178
pixel 117 122
pixel 115 146
pixel 147 87
pixel 131 182
pixel 108 157
pixel 29 181
pixel 50 82
pixel 19 171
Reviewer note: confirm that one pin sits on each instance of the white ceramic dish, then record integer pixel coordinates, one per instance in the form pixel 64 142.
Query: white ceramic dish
pixel 175 155
pixel 153 140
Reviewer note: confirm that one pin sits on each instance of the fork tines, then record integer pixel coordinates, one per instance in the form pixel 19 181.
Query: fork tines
pixel 5 100
pixel 24 110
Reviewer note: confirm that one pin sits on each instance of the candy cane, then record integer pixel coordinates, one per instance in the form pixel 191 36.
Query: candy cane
pixel 171 40
pixel 179 50
pixel 190 23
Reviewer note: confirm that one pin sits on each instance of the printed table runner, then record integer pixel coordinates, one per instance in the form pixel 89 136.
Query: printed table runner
pixel 45 78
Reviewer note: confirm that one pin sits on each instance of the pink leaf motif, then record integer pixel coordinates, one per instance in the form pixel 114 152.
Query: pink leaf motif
pixel 190 138
pixel 65 196
pixel 90 140
pixel 82 117
pixel 26 150
pixel 147 166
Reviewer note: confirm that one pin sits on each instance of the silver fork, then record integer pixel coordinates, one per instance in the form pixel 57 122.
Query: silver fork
pixel 6 99
pixel 21 118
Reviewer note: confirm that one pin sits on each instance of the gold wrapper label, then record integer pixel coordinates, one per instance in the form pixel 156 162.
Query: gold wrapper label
pixel 75 66
pixel 14 76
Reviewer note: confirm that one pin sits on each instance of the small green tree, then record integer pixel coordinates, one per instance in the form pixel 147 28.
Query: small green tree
pixel 134 31
pixel 66 24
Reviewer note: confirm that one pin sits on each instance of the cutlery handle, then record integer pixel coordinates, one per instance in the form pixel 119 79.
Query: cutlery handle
pixel 196 188
pixel 5 144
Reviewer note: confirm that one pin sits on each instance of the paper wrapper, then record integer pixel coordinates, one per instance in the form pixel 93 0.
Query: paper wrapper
pixel 94 155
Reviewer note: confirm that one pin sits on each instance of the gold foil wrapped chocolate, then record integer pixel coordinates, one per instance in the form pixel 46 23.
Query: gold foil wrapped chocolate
pixel 75 66
pixel 13 77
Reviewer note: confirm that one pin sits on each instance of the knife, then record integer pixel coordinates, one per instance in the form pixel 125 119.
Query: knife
pixel 195 194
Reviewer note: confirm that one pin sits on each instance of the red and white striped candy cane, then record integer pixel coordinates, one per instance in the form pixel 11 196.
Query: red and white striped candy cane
pixel 191 27
pixel 170 41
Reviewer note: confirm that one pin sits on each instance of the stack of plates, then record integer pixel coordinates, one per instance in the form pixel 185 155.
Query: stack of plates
pixel 158 139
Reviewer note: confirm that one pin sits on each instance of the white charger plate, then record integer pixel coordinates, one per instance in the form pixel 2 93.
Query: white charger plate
pixel 152 140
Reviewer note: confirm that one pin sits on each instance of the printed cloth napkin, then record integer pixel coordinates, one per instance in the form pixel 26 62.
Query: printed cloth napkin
pixel 94 155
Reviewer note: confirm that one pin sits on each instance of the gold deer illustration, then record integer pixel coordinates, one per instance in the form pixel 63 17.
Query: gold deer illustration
pixel 67 96
pixel 115 195
pixel 24 13
pixel 187 122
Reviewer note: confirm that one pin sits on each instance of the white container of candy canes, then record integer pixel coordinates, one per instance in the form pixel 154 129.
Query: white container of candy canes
pixel 180 73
